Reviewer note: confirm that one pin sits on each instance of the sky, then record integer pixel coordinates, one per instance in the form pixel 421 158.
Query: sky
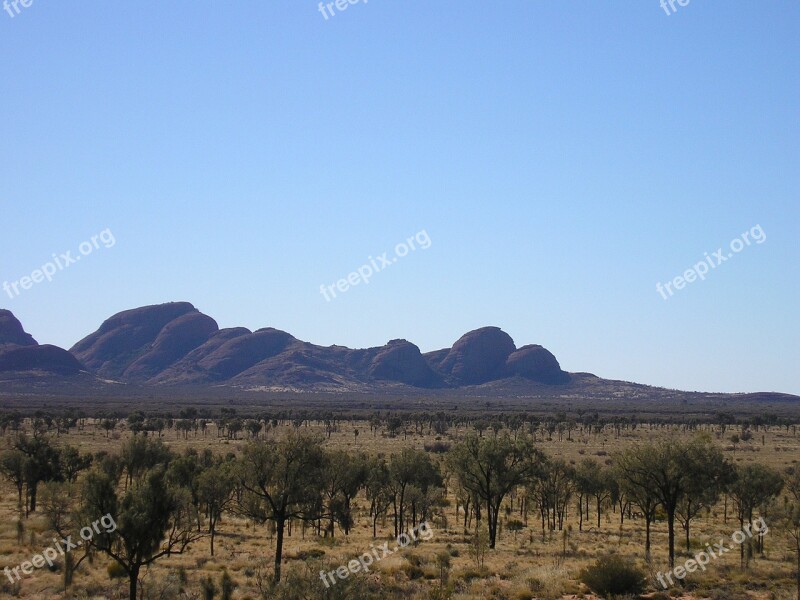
pixel 552 162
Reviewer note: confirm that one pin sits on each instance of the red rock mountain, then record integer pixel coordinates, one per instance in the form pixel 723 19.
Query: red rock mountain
pixel 176 344
pixel 156 347
pixel 21 354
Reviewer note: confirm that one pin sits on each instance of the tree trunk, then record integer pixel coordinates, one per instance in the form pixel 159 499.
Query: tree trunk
pixel 347 515
pixel 280 523
pixel 133 577
pixel 492 518
pixel 396 525
pixel 587 507
pixel 688 545
pixel 599 501
pixel 69 569
pixel 671 530
pixel 725 509
pixel 741 546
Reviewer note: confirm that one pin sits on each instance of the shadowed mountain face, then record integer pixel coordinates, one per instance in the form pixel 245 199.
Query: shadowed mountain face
pixel 137 344
pixel 20 353
pixel 11 331
pixel 176 344
pixel 402 361
pixel 478 356
pixel 537 363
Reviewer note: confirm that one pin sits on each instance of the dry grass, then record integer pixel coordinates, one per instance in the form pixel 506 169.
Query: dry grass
pixel 527 565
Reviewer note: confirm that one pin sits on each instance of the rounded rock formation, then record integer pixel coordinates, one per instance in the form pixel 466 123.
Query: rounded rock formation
pixel 537 363
pixel 478 356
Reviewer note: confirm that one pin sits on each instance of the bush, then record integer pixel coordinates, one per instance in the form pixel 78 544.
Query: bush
pixel 414 568
pixel 302 581
pixel 207 588
pixel 116 570
pixel 613 575
pixel 313 553
pixel 437 447
pixel 479 545
pixel 227 585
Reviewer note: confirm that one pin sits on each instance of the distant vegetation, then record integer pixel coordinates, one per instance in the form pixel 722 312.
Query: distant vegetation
pixel 495 477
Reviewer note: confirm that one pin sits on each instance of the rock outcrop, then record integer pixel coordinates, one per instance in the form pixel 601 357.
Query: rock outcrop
pixel 21 354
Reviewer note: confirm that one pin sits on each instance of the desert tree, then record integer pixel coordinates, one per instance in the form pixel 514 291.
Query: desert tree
pixel 636 486
pixel 407 469
pixel 711 474
pixel 215 491
pixel 42 464
pixel 183 426
pixel 491 467
pixel 553 488
pixel 254 427
pixel 12 467
pixel 73 463
pixel 108 425
pixel 667 469
pixel 344 477
pixel 280 481
pixel 140 454
pixel 378 490
pixel 61 507
pixel 153 519
pixel 185 470
pixel 463 497
pixel 595 481
pixel 752 486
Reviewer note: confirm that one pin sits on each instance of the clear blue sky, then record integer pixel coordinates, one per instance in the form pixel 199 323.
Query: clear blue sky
pixel 563 157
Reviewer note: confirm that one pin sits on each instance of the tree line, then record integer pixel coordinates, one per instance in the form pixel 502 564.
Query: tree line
pixel 163 501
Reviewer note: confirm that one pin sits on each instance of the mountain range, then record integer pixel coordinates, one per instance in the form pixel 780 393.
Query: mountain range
pixel 175 344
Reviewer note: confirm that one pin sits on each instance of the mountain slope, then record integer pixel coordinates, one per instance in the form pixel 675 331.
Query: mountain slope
pixel 176 344
pixel 21 355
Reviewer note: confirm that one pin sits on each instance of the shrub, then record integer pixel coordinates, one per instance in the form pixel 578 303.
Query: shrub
pixel 479 545
pixel 207 588
pixel 413 569
pixel 116 571
pixel 515 525
pixel 613 575
pixel 471 573
pixel 437 447
pixel 313 553
pixel 227 585
pixel 301 581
